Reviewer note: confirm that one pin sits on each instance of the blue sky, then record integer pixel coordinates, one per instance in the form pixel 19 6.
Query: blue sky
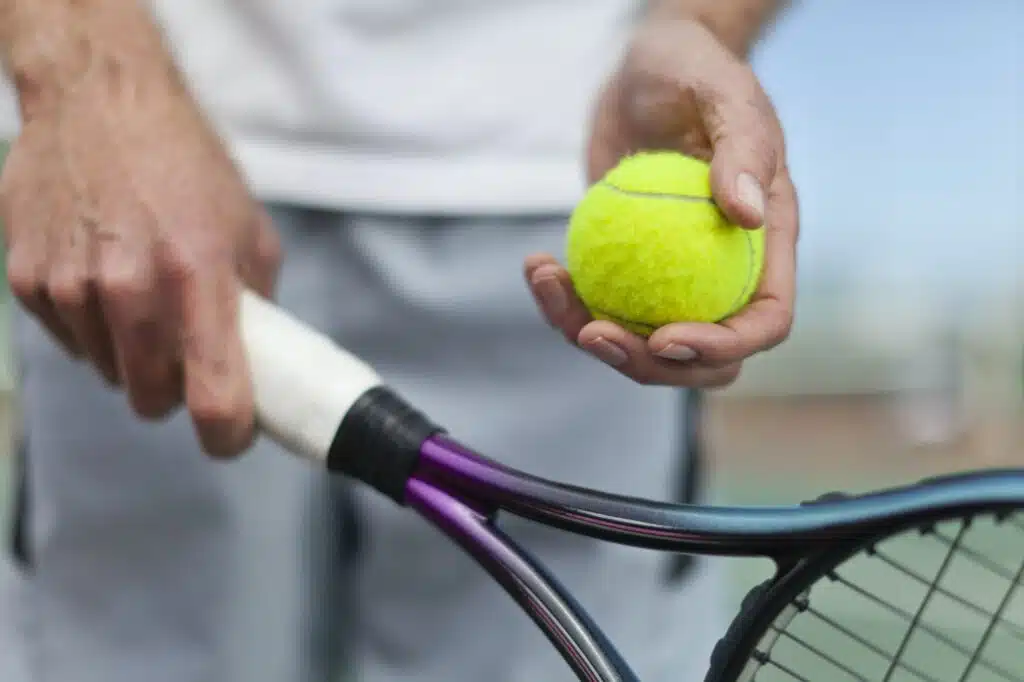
pixel 905 120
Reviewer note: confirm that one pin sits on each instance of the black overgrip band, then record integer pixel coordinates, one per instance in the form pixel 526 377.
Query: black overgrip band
pixel 379 441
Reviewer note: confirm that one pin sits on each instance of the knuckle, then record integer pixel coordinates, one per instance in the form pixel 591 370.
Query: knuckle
pixel 219 410
pixel 725 351
pixel 179 264
pixel 119 282
pixel 269 249
pixel 723 378
pixel 68 288
pixel 224 431
pixel 786 180
pixel 644 376
pixel 756 151
pixel 21 277
pixel 780 323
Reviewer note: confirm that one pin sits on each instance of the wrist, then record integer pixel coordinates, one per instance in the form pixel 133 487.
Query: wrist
pixel 737 24
pixel 41 67
pixel 50 48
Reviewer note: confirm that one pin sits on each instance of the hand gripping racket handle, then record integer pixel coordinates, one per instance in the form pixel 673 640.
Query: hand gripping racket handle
pixel 323 403
pixel 305 384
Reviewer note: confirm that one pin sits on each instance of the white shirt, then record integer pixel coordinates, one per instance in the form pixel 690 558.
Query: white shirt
pixel 465 106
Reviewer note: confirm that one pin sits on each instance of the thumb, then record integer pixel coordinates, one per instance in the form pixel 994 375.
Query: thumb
pixel 743 166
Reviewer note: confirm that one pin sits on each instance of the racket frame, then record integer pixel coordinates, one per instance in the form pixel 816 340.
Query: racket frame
pixel 462 493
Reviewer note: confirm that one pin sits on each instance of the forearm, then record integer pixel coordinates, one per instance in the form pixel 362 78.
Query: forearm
pixel 737 23
pixel 47 46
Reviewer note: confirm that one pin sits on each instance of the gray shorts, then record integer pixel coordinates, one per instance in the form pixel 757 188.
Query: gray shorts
pixel 147 561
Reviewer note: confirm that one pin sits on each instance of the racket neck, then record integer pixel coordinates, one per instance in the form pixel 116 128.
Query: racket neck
pixel 379 442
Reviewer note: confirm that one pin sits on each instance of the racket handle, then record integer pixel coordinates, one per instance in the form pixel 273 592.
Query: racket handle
pixel 304 383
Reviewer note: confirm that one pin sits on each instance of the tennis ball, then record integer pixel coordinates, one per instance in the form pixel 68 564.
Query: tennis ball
pixel 647 246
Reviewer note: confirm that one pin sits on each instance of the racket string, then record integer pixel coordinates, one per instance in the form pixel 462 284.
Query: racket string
pixel 1017 631
pixel 915 625
pixel 894 658
pixel 978 558
pixel 790 672
pixel 943 575
pixel 1003 605
pixel 916 622
pixel 825 656
pixel 871 646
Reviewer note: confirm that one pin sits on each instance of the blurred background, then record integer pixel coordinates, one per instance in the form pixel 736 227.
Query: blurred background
pixel 905 125
pixel 906 133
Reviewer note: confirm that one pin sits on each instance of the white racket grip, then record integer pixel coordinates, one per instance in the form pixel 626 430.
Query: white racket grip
pixel 304 383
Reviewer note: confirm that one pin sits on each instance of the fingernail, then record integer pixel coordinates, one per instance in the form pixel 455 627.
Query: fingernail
pixel 551 295
pixel 607 352
pixel 750 193
pixel 677 352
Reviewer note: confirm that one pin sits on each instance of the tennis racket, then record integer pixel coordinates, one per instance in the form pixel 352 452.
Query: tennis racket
pixel 919 583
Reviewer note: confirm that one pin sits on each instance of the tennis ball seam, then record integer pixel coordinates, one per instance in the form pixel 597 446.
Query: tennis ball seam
pixel 750 276
pixel 637 194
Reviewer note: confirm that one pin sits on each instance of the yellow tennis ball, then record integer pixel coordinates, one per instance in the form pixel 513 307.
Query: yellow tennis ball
pixel 648 246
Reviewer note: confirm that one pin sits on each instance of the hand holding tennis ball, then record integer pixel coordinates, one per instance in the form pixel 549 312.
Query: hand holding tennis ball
pixel 653 265
pixel 647 247
pixel 679 87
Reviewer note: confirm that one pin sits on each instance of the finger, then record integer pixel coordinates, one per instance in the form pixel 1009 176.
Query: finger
pixel 782 221
pixel 629 354
pixel 758 327
pixel 78 308
pixel 26 279
pixel 747 148
pixel 260 262
pixel 76 302
pixel 218 388
pixel 555 295
pixel 131 302
pixel 767 321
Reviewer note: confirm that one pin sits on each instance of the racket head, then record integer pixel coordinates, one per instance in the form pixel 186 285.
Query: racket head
pixel 939 600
